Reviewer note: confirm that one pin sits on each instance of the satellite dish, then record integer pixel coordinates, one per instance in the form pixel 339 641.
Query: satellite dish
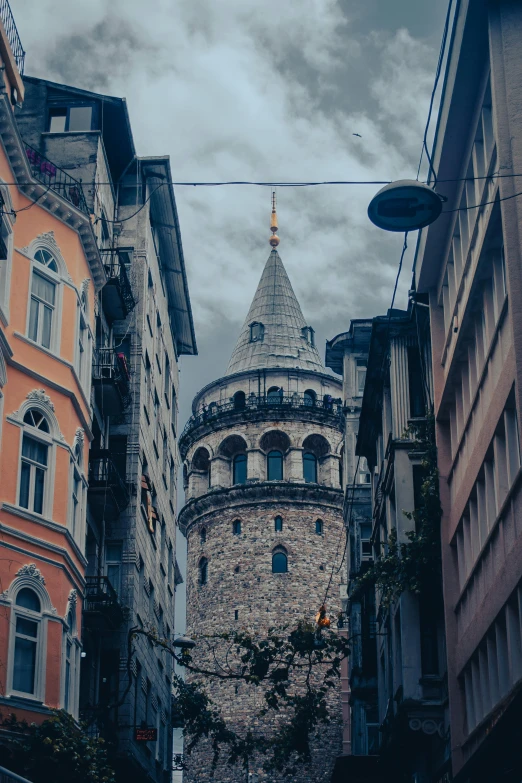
pixel 405 205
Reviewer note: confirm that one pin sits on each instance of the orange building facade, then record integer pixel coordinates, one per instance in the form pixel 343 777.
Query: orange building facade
pixel 50 270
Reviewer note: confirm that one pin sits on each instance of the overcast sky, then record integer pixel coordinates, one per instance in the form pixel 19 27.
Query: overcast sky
pixel 272 90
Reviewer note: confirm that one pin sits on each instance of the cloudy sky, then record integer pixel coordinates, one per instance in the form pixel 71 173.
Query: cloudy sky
pixel 272 90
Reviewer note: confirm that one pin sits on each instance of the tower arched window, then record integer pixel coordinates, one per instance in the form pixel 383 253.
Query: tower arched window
pixel 203 536
pixel 239 400
pixel 236 527
pixel 34 462
pixel 42 325
pixel 278 524
pixel 309 467
pixel 240 469
pixel 27 649
pixel 309 397
pixel 275 465
pixel 280 561
pixel 319 527
pixel 274 395
pixel 257 332
pixel 203 571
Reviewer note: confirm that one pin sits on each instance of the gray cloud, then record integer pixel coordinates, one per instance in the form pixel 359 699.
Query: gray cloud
pixel 244 90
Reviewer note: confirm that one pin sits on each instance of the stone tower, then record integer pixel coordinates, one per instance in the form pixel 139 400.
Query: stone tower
pixel 262 459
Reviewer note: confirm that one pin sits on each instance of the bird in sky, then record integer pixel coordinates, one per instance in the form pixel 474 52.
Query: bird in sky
pixel 357 134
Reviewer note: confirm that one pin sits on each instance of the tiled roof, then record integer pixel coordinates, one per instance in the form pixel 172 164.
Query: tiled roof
pixel 283 344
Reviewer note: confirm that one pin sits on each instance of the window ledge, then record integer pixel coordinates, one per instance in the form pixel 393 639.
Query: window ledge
pixel 39 347
pixel 24 703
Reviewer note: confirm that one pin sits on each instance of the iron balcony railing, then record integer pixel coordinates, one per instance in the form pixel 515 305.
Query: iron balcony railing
pixel 56 179
pixel 117 273
pixel 99 593
pixel 6 15
pixel 104 474
pixel 330 409
pixel 111 366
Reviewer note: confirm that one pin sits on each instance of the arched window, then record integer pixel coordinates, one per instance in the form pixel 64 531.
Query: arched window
pixel 203 536
pixel 278 524
pixel 27 650
pixel 239 400
pixel 236 527
pixel 70 671
pixel 274 395
pixel 42 323
pixel 78 491
pixel 275 465
pixel 203 571
pixel 280 562
pixel 34 466
pixel 257 332
pixel 309 467
pixel 319 527
pixel 309 397
pixel 240 469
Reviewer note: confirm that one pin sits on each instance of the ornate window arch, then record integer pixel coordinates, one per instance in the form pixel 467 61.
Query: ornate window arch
pixel 37 458
pixel 71 652
pixel 30 608
pixel 77 490
pixel 45 298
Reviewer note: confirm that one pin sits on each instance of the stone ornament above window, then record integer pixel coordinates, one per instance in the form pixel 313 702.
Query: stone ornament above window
pixel 39 395
pixel 32 572
pixel 73 598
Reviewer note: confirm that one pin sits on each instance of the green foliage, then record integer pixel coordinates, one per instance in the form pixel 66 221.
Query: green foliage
pixel 57 750
pixel 294 667
pixel 410 565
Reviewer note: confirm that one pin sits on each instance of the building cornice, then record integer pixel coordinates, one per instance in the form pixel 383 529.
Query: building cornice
pixel 47 198
pixel 259 493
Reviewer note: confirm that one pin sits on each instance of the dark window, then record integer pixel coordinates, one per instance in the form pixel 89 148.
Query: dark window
pixel 257 332
pixel 310 467
pixel 203 535
pixel 240 469
pixel 319 527
pixel 275 466
pixel 279 563
pixel 415 376
pixel 278 524
pixel 308 334
pixel 310 397
pixel 366 546
pixel 28 599
pixel 275 395
pixel 63 119
pixel 361 376
pixel 236 527
pixel 203 571
pixel 239 400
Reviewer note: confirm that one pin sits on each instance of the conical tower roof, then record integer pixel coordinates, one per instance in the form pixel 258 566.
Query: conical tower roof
pixel 284 339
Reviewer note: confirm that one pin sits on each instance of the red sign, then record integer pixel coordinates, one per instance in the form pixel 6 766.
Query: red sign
pixel 145 735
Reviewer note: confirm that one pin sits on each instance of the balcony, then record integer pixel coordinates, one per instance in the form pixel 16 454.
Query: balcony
pixel 6 15
pixel 116 295
pixel 101 607
pixel 108 495
pixel 258 406
pixel 55 178
pixel 111 381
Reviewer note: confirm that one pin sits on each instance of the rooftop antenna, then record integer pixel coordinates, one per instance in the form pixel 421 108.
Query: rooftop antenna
pixel 274 239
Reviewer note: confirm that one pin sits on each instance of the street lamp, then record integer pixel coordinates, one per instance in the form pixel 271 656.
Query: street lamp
pixel 184 642
pixel 405 205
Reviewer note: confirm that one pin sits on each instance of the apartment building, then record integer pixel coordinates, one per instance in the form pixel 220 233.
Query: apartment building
pixel 51 271
pixel 410 712
pixel 470 263
pixel 143 324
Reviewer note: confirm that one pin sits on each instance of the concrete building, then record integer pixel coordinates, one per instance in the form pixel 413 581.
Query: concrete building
pixel 347 355
pixel 51 271
pixel 263 514
pixel 411 708
pixel 143 324
pixel 470 263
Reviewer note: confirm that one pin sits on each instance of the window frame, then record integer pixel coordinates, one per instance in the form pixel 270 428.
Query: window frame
pixel 84 345
pixel 239 459
pixel 257 332
pixel 46 438
pixel 308 458
pixel 236 527
pixel 203 564
pixel 282 461
pixel 72 689
pixel 319 527
pixel 41 642
pixel 56 278
pixel 275 553
pixel 278 524
pixel 68 107
pixel 361 368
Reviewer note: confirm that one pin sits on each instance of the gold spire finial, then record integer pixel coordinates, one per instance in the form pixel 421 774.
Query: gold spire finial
pixel 274 239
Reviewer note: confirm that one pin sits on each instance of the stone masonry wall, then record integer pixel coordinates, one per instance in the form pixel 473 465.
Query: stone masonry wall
pixel 240 579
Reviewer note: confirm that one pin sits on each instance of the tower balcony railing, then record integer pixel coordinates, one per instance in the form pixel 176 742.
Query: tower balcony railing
pixel 117 297
pixel 111 381
pixel 13 36
pixel 56 179
pixel 330 410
